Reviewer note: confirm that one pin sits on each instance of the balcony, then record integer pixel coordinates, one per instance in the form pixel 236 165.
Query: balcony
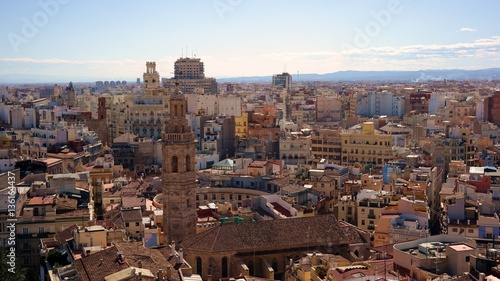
pixel 371 227
pixel 371 216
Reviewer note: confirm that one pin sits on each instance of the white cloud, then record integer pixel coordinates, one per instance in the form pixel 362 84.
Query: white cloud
pixel 467 29
pixel 81 62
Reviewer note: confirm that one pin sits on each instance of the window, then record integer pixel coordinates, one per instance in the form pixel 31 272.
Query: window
pixel 199 265
pixel 470 230
pixel 224 267
pixel 25 230
pixel 137 224
pixel 188 163
pixel 126 224
pixel 454 229
pixel 41 229
pixel 362 222
pixel 175 163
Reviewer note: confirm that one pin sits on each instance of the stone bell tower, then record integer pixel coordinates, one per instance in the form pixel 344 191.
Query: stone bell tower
pixel 178 173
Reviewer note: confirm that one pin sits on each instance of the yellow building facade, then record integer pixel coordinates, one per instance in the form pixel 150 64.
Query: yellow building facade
pixel 366 146
pixel 241 125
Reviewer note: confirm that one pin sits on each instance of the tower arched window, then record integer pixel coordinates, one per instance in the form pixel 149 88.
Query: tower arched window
pixel 199 266
pixel 175 110
pixel 224 267
pixel 188 163
pixel 175 164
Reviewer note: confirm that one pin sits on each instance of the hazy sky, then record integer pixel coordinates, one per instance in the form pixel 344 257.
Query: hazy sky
pixel 113 39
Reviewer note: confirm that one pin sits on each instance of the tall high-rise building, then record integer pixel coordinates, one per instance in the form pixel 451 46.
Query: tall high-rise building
pixel 178 173
pixel 189 73
pixel 283 80
pixel 189 68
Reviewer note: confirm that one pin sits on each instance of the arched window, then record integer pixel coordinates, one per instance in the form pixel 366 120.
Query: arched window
pixel 188 163
pixel 175 110
pixel 199 266
pixel 175 165
pixel 250 267
pixel 224 267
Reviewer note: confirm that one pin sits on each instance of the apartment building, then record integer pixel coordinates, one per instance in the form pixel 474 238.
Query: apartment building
pixel 326 144
pixel 365 145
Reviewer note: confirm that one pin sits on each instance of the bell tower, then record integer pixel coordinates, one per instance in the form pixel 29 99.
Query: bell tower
pixel 178 173
pixel 151 76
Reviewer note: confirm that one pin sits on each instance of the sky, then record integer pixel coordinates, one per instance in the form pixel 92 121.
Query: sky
pixel 113 39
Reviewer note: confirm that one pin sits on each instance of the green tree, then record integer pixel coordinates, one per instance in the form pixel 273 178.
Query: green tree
pixel 9 273
pixel 56 257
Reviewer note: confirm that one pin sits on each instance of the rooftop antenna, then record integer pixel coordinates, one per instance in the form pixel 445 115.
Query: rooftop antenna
pixel 182 52
pixel 285 68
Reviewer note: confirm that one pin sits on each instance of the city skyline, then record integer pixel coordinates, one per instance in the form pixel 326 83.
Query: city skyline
pixel 112 40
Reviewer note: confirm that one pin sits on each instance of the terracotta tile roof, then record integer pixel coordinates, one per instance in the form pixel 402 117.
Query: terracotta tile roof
pixel 151 258
pixel 65 204
pixel 47 200
pixel 133 201
pixel 270 234
pixel 90 267
pixel 131 215
pixel 66 234
pixel 354 234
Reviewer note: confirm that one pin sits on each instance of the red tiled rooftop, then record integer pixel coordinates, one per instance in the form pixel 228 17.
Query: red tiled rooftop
pixel 46 200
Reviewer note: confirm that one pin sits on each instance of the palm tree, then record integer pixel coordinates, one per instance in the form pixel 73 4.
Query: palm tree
pixel 9 273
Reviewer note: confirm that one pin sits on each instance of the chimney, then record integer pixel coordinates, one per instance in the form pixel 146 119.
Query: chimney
pixel 169 272
pixel 160 275
pixel 172 248
pixel 139 263
pixel 209 277
pixel 100 262
pixel 180 257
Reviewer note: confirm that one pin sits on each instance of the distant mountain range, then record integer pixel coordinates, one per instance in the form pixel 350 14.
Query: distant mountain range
pixel 348 75
pixel 408 76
